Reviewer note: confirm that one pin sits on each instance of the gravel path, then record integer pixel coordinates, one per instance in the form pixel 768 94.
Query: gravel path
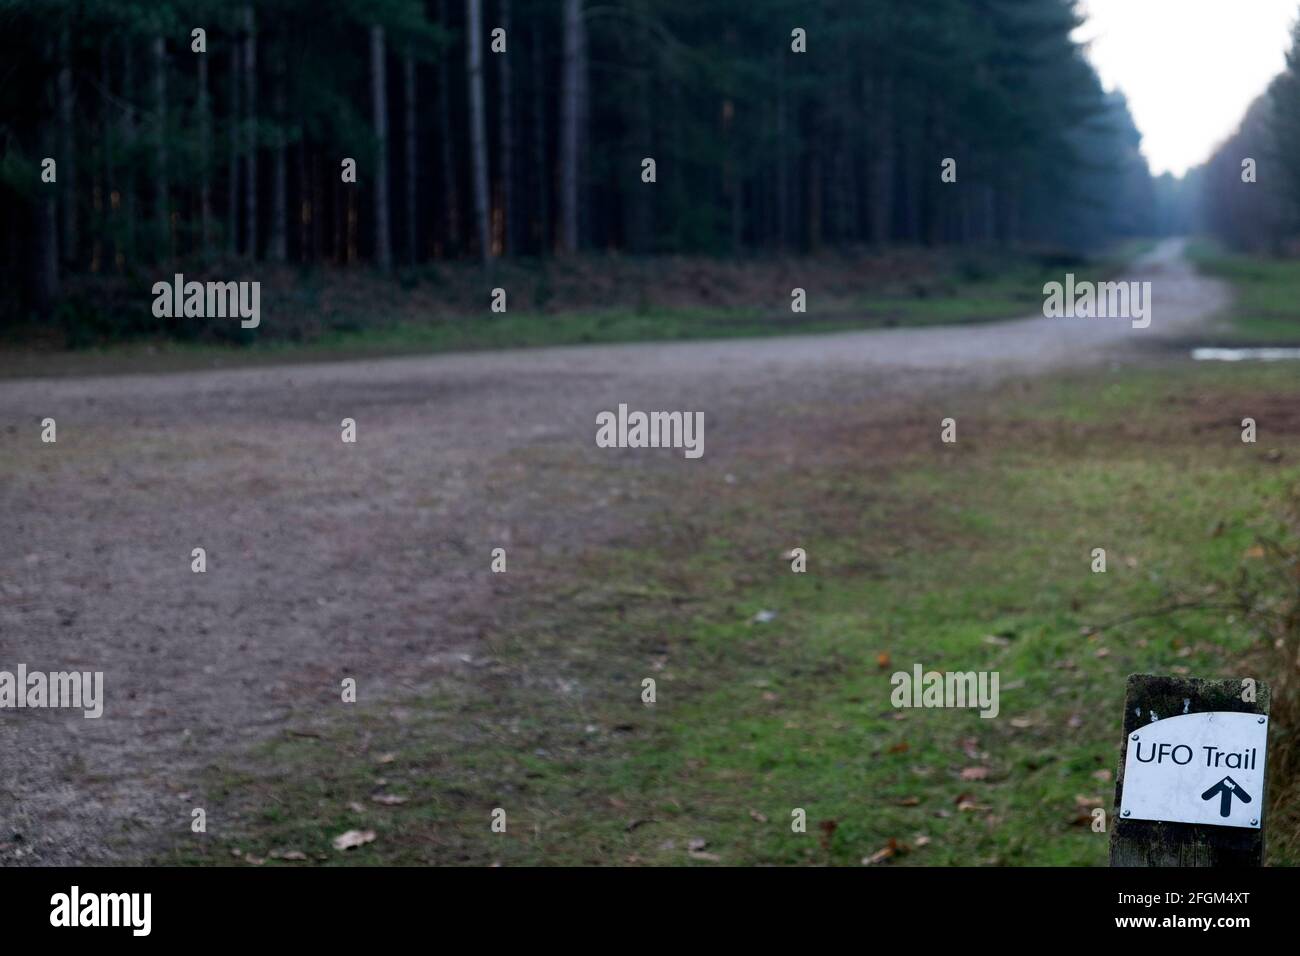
pixel 328 560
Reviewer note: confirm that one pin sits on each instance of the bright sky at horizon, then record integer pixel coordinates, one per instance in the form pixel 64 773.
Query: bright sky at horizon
pixel 1189 68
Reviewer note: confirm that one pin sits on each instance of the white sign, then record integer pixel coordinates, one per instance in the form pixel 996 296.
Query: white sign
pixel 1197 768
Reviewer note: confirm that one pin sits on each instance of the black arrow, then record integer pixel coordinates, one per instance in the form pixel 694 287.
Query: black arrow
pixel 1226 787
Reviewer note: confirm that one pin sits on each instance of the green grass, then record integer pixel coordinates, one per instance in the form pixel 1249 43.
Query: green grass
pixel 969 557
pixel 1267 307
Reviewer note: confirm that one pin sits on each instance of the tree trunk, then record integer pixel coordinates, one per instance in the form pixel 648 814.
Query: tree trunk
pixel 68 150
pixel 236 140
pixel 205 158
pixel 107 222
pixel 639 135
pixel 379 105
pixel 277 244
pixel 507 140
pixel 543 182
pixel 572 111
pixel 250 155
pixel 162 214
pixel 128 142
pixel 782 159
pixel 412 218
pixel 46 285
pixel 477 122
pixel 449 194
pixel 882 162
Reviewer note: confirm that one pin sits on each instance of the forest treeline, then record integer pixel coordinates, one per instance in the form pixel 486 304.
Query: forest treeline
pixel 1249 190
pixel 489 128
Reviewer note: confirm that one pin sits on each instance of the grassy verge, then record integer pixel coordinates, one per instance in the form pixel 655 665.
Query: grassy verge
pixel 1267 308
pixel 974 556
pixel 328 316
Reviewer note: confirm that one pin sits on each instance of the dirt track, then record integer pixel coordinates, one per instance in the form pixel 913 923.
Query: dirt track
pixel 328 560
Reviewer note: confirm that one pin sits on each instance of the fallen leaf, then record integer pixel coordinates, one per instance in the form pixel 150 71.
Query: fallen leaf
pixel 975 773
pixel 910 802
pixel 756 816
pixel 828 828
pixel 883 660
pixel 353 838
pixel 388 799
pixel 697 843
pixel 1103 775
pixel 899 748
pixel 889 850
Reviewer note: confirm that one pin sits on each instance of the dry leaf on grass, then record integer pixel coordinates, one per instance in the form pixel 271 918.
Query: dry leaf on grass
pixel 975 773
pixel 828 828
pixel 353 838
pixel 891 849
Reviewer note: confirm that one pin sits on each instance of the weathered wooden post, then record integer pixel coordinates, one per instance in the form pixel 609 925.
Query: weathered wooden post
pixel 1190 789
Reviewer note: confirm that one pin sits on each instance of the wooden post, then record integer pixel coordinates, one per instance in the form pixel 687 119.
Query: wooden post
pixel 1133 842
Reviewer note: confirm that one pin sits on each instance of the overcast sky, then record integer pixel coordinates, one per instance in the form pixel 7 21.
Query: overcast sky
pixel 1188 67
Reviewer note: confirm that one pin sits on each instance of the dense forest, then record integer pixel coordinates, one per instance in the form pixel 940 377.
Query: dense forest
pixel 191 132
pixel 1249 190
